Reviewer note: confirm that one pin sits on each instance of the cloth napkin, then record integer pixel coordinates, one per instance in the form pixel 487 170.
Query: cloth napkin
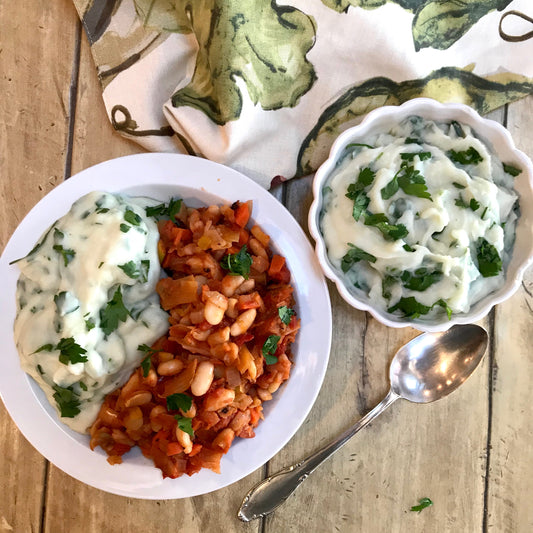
pixel 265 86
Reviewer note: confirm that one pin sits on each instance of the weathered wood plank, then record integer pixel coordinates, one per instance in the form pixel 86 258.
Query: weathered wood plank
pixel 71 505
pixel 413 451
pixel 510 484
pixel 33 133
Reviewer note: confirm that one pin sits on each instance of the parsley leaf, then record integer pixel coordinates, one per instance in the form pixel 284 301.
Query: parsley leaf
pixel 390 231
pixel 285 314
pixel 89 324
pixel 408 248
pixel 124 228
pixel 67 401
pixel 179 401
pixel 465 157
pixel 239 263
pixel 409 156
pixel 269 349
pixel 390 189
pixel 70 351
pixel 161 210
pixel 422 504
pixel 386 284
pixel 58 233
pixel 412 140
pixel 412 182
pixel 357 194
pixel 82 386
pixel 513 171
pixel 420 279
pixel 146 362
pixel 113 313
pixel 44 348
pixel 354 255
pixel 68 255
pixel 135 272
pixel 412 308
pixel 185 424
pixel 473 204
pixel 489 261
pixel 133 218
pixel 458 185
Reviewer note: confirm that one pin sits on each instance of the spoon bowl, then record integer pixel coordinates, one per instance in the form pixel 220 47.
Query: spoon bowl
pixel 432 366
pixel 427 368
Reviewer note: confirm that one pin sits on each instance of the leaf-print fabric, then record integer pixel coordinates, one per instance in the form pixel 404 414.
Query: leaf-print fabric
pixel 265 86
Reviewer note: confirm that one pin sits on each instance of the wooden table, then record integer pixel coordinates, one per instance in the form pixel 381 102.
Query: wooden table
pixel 472 453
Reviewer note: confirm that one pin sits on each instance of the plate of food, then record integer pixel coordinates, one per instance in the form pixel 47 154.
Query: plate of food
pixel 169 331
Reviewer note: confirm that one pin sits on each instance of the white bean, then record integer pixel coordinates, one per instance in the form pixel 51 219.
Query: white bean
pixel 243 322
pixel 202 378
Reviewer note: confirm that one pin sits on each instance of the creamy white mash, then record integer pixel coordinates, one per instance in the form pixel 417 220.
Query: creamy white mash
pixel 86 300
pixel 421 218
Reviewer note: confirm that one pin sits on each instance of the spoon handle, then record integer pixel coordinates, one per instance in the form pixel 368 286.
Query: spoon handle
pixel 270 493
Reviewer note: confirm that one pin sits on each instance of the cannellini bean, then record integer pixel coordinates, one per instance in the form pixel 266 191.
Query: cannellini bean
pixel 231 311
pixel 203 378
pixel 141 397
pixel 230 284
pixel 247 286
pixel 133 419
pixel 164 356
pixel 243 322
pixel 224 439
pixel 184 439
pixel 264 395
pixel 215 307
pixel 151 378
pixel 219 336
pixel 257 248
pixel 200 334
pixel 170 368
pixel 218 399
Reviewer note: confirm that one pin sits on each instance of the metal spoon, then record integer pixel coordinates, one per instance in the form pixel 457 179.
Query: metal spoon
pixel 424 370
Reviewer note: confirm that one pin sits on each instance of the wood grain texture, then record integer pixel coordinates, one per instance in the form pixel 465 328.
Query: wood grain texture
pixel 33 138
pixel 510 483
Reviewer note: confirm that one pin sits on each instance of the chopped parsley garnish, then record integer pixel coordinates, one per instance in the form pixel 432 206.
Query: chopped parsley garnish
pixel 285 314
pixel 357 194
pixel 238 264
pixel 513 171
pixel 83 386
pixel 161 210
pixel 68 255
pixel 390 189
pixel 465 157
pixel 473 204
pixel 102 210
pixel 58 233
pixel 67 401
pixel 89 324
pixel 422 504
pixel 146 362
pixel 390 231
pixel 409 156
pixel 69 351
pixel 386 283
pixel 354 255
pixel 458 185
pixel 412 308
pixel 269 349
pixel 133 218
pixel 134 272
pixel 179 401
pixel 412 140
pixel 420 279
pixel 412 182
pixel 113 313
pixel 408 248
pixel 185 424
pixel 40 369
pixel 488 258
pixel 124 228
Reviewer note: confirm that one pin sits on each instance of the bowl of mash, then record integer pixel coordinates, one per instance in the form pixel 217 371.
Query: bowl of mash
pixel 423 215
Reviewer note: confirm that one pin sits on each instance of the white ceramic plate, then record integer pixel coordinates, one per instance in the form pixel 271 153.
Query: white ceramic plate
pixel 198 182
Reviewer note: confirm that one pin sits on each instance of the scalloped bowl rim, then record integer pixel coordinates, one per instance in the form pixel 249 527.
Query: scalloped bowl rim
pixel 503 145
